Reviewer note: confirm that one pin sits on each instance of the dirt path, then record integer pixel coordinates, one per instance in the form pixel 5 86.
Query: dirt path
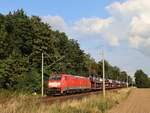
pixel 137 102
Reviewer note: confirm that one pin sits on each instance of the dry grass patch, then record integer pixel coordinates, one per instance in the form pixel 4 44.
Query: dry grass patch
pixel 23 103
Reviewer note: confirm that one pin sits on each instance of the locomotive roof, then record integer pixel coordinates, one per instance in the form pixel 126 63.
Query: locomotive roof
pixel 75 76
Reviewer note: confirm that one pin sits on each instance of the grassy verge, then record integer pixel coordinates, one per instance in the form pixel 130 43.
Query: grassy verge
pixel 23 103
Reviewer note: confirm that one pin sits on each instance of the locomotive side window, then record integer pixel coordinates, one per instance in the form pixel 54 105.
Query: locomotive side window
pixel 56 77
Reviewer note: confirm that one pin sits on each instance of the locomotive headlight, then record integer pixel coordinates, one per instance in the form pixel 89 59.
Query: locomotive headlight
pixel 54 84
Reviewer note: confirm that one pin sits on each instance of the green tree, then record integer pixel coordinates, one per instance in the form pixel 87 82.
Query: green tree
pixel 22 41
pixel 141 79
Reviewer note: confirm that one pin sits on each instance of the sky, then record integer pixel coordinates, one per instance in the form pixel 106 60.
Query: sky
pixel 120 27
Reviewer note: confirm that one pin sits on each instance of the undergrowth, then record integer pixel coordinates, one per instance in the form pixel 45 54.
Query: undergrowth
pixel 25 103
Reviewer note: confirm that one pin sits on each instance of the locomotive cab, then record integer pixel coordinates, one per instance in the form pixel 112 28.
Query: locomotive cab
pixel 54 84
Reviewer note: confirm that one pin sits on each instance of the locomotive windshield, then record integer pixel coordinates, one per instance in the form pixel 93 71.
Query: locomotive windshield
pixel 56 77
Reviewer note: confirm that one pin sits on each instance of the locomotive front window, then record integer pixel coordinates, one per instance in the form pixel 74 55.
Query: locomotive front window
pixel 57 77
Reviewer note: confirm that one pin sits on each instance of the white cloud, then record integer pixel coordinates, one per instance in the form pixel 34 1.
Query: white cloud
pixel 136 41
pixel 113 40
pixel 91 25
pixel 129 21
pixel 56 22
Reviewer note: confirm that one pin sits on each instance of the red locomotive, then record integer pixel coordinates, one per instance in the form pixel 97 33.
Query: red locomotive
pixel 66 83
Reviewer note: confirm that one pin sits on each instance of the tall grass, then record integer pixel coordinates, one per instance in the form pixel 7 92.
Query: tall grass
pixel 25 103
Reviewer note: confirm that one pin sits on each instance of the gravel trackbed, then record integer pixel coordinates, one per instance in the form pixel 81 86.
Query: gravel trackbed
pixel 137 102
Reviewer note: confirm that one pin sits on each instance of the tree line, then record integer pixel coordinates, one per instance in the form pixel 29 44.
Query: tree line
pixel 22 41
pixel 141 79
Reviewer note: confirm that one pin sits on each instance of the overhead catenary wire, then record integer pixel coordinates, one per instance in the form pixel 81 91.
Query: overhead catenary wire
pixel 42 77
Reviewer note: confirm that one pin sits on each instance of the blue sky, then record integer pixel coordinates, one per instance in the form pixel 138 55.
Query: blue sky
pixel 69 9
pixel 121 27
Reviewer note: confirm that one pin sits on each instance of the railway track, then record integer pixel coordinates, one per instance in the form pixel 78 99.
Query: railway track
pixel 54 99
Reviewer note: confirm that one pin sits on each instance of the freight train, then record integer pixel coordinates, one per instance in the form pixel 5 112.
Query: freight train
pixel 60 84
